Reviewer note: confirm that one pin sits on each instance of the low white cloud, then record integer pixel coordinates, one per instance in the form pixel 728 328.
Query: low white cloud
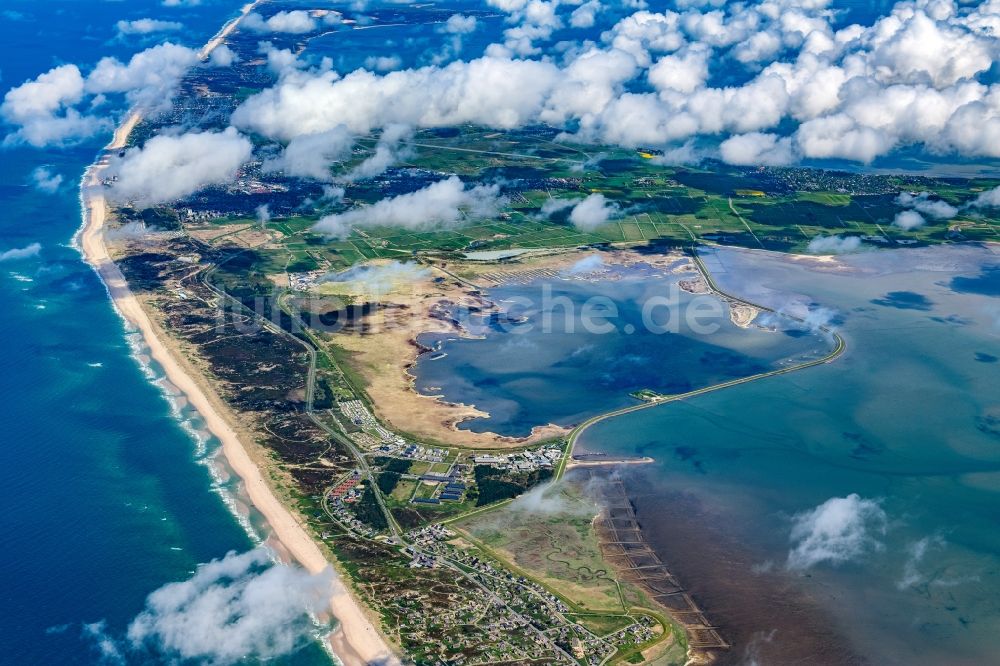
pixel 585 15
pixel 381 278
pixel 282 62
pixel 222 56
pixel 296 22
pixel 389 150
pixel 925 205
pixel 181 3
pixel 987 199
pixel 149 79
pixel 682 73
pixel 589 264
pixel 489 91
pixel 167 167
pixel 917 76
pixel 757 149
pixel 46 181
pixel 841 529
pixel 834 245
pixel 909 219
pixel 592 212
pixel 230 610
pixel 444 203
pixel 42 109
pixel 310 155
pixel 47 110
pixel 458 24
pixel 552 499
pixel 263 215
pixel 146 26
pixel 383 63
pixel 553 205
pixel 916 553
pixel 49 93
pixel 454 30
pixel 21 252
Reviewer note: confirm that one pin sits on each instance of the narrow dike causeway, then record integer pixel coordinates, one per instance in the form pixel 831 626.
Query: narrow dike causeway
pixel 839 348
pixel 622 541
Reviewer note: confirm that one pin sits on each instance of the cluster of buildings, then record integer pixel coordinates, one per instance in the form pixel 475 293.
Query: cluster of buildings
pixel 338 510
pixel 420 452
pixel 359 415
pixel 450 488
pixel 805 180
pixel 305 281
pixel 347 490
pixel 191 215
pixel 522 461
pixel 530 600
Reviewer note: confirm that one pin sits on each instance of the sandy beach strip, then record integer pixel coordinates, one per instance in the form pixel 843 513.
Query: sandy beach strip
pixel 356 641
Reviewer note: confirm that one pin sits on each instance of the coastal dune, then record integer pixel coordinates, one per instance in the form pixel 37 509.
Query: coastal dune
pixel 355 641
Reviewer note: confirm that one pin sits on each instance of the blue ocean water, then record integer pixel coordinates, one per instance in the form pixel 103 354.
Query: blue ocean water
pixel 106 492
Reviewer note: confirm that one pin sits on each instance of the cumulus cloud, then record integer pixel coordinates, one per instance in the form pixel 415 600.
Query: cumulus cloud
pixel 585 15
pixel 592 212
pixel 443 203
pixel 294 22
pixel 553 206
pixel 230 610
pixel 149 79
pixel 222 56
pixel 918 76
pixel 458 24
pixel 46 110
pixel 310 155
pixel 146 26
pixel 841 529
pixel 46 181
pixel 42 109
pixel 383 63
pixel 167 167
pixel 924 204
pixel 682 73
pixel 496 92
pixel 834 245
pixel 909 219
pixel 390 150
pixel 987 199
pixel 455 29
pixel 755 148
pixel 21 252
pixel 282 62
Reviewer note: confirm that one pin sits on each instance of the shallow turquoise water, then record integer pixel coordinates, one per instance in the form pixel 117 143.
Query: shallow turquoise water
pixel 908 419
pixel 561 363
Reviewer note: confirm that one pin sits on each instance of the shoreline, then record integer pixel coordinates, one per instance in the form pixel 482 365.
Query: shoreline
pixel 355 640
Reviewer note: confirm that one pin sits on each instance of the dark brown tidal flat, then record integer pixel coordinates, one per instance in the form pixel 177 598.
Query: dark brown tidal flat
pixel 767 617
